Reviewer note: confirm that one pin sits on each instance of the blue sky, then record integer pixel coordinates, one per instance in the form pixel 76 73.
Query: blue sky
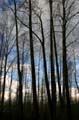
pixel 12 1
pixel 9 2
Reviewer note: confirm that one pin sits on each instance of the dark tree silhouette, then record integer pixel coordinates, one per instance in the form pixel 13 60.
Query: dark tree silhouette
pixel 35 101
pixel 20 95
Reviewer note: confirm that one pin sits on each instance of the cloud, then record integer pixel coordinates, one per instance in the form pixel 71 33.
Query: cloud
pixel 7 85
pixel 13 87
pixel 74 91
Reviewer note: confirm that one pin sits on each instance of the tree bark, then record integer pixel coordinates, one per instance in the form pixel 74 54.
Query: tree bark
pixel 53 84
pixel 20 95
pixel 35 101
pixel 65 68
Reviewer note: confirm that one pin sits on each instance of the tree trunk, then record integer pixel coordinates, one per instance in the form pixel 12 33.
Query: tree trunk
pixel 10 91
pixel 4 85
pixel 35 102
pixel 45 70
pixel 20 95
pixel 53 84
pixel 65 69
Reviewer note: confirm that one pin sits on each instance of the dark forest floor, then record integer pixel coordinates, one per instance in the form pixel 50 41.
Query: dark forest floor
pixel 10 113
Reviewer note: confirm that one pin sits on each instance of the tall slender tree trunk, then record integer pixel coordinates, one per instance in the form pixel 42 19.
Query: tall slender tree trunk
pixel 4 85
pixel 1 65
pixel 58 75
pixel 20 95
pixel 10 91
pixel 53 84
pixel 65 68
pixel 39 75
pixel 75 73
pixel 2 49
pixel 35 101
pixel 45 70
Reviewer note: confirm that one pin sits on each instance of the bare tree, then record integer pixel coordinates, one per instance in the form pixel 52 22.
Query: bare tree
pixel 20 95
pixel 35 102
pixel 53 84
